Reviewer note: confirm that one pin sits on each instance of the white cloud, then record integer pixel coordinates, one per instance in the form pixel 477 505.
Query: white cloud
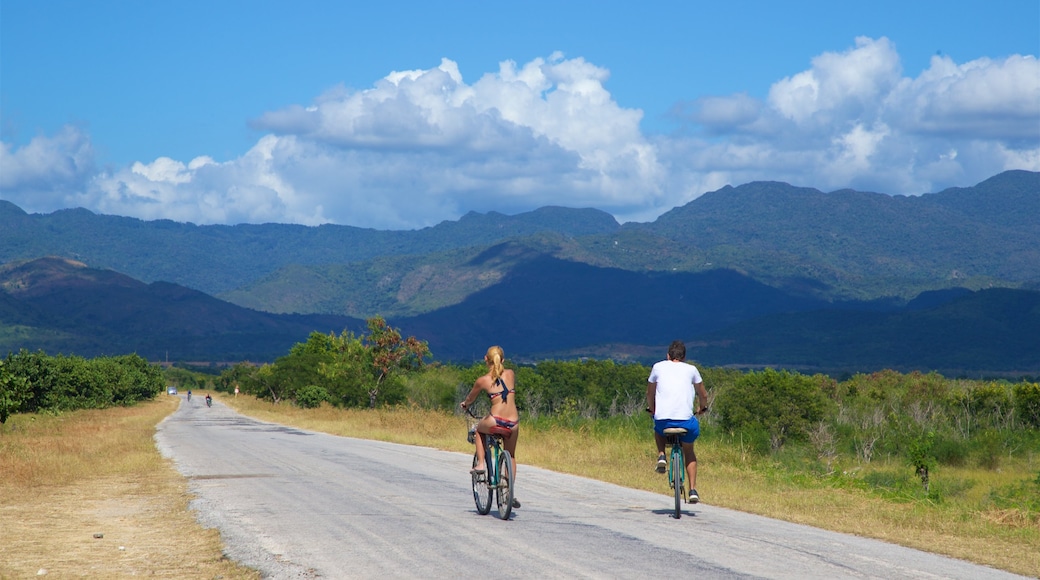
pixel 983 99
pixel 851 120
pixel 40 175
pixel 422 146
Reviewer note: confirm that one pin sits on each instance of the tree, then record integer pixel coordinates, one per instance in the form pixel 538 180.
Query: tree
pixel 14 391
pixel 346 372
pixel 390 354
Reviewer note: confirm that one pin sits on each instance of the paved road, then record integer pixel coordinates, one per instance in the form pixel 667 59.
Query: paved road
pixel 300 504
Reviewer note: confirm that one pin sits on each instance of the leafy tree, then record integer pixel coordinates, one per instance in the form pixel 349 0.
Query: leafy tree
pixel 391 354
pixel 920 454
pixel 347 368
pixel 237 375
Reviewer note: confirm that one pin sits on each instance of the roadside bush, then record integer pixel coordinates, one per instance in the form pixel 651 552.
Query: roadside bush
pixel 989 448
pixel 1027 404
pixel 34 382
pixel 951 451
pixel 311 396
pixel 783 404
pixel 433 388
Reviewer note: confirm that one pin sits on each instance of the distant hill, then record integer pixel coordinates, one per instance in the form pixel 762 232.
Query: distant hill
pixel 547 305
pixel 844 245
pixel 988 330
pixel 218 258
pixel 762 273
pixel 840 245
pixel 542 308
pixel 60 305
pixel 863 245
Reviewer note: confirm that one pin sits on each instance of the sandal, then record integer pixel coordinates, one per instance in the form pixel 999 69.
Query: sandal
pixel 476 471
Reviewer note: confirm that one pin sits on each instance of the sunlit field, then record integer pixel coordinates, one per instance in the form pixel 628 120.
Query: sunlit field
pixel 87 494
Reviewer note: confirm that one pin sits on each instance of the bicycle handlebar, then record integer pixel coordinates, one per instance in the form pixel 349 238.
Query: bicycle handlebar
pixel 701 412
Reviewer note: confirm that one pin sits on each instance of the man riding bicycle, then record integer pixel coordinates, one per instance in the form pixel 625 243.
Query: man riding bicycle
pixel 669 397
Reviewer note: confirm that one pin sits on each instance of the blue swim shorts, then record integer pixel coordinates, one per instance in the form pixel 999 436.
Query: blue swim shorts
pixel 692 426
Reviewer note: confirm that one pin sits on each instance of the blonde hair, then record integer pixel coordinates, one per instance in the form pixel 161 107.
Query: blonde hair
pixel 494 358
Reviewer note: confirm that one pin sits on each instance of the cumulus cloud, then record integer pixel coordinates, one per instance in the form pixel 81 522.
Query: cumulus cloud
pixel 853 120
pixel 422 146
pixel 41 175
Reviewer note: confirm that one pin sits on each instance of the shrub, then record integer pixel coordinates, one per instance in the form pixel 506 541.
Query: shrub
pixel 311 396
pixel 1027 403
pixel 785 405
pixel 989 447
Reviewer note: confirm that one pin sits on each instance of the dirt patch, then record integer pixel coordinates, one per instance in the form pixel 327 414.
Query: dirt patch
pixel 110 528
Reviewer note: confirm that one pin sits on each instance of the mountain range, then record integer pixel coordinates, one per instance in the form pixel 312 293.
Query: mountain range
pixel 760 274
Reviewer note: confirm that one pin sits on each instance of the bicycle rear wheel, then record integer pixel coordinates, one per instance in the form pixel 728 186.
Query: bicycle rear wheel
pixel 505 485
pixel 678 465
pixel 481 490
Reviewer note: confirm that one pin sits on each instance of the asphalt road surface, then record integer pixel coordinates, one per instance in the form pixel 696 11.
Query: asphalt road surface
pixel 300 504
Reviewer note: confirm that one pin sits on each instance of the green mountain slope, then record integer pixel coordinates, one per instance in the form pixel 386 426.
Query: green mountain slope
pixel 862 245
pixel 62 306
pixel 838 246
pixel 216 259
pixel 988 330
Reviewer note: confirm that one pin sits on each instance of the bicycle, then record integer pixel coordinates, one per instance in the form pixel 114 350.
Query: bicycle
pixel 677 464
pixel 499 473
pixel 676 467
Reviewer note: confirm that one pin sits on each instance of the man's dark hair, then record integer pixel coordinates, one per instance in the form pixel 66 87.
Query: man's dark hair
pixel 677 350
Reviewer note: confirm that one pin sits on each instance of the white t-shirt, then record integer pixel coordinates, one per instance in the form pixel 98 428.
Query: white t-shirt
pixel 674 397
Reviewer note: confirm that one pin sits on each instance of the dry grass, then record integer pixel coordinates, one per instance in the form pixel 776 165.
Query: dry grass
pixel 1003 539
pixel 71 477
pixel 98 472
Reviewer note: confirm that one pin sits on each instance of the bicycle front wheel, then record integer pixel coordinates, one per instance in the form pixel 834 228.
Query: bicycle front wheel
pixel 678 466
pixel 481 490
pixel 505 485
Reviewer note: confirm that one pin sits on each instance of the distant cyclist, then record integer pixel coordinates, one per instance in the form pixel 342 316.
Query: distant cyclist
pixel 500 385
pixel 189 394
pixel 209 400
pixel 669 396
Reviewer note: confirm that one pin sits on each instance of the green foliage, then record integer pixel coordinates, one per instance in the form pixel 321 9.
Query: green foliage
pixel 920 454
pixel 1023 496
pixel 1027 404
pixel 589 388
pixel 989 448
pixel 391 355
pixel 32 382
pixel 14 391
pixel 349 370
pixel 436 387
pixel 785 405
pixel 311 396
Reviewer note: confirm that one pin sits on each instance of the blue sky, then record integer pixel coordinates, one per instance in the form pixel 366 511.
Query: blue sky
pixel 403 114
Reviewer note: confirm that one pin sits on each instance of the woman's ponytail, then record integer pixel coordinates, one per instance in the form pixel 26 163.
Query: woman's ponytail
pixel 494 358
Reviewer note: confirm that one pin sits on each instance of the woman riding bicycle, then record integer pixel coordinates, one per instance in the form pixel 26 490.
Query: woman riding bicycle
pixel 499 384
